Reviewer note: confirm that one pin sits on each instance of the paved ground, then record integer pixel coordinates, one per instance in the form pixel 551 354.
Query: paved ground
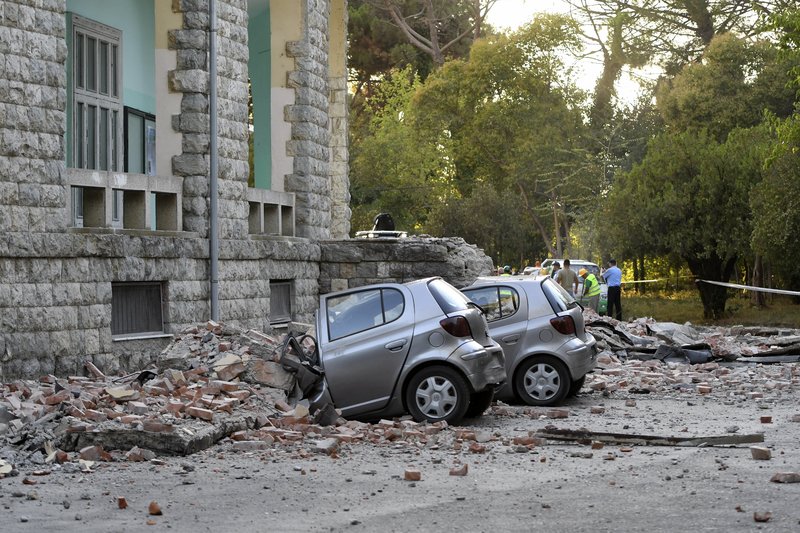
pixel 555 486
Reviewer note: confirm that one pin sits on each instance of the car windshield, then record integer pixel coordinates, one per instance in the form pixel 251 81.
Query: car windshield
pixel 557 296
pixel 448 297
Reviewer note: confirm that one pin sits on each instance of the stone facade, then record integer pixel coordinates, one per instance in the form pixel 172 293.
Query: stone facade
pixel 57 280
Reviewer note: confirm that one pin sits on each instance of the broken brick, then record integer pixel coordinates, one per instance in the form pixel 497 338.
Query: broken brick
pixel 786 477
pixel 459 470
pixel 760 453
pixel 412 474
pixel 199 412
pixel 94 453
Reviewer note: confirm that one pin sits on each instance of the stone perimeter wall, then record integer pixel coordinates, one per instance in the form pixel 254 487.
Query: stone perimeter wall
pixel 353 263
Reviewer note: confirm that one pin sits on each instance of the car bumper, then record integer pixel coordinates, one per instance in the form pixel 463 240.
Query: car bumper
pixel 484 367
pixel 581 355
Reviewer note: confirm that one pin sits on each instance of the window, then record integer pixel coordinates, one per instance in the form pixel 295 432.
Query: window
pixel 77 207
pixel 363 310
pixel 117 199
pixel 96 100
pixel 496 302
pixel 88 207
pixel 140 142
pixel 280 302
pixel 136 308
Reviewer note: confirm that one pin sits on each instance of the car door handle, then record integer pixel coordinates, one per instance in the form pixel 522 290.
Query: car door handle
pixel 396 346
pixel 511 339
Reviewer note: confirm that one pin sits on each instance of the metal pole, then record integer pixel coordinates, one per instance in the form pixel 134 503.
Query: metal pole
pixel 213 160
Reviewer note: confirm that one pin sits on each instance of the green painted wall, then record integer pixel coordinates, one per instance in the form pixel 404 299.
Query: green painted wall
pixel 136 19
pixel 258 31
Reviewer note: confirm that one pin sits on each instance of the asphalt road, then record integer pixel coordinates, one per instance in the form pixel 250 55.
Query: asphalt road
pixel 553 487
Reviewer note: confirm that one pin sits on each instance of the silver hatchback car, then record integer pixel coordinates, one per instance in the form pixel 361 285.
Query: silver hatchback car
pixel 421 347
pixel 541 329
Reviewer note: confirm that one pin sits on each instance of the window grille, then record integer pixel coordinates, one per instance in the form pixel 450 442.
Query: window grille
pixel 136 308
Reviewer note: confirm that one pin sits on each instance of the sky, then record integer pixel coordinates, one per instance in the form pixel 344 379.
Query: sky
pixel 510 14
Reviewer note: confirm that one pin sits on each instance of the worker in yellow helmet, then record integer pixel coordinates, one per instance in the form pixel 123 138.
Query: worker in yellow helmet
pixel 591 289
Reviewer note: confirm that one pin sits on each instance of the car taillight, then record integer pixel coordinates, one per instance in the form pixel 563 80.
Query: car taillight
pixel 563 324
pixel 457 326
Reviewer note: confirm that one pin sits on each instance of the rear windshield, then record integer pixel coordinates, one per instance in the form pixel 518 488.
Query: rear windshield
pixel 448 297
pixel 559 299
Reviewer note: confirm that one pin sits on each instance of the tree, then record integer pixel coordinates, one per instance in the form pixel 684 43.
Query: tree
pixel 731 88
pixel 514 121
pixel 690 197
pixel 435 26
pixel 393 168
pixel 774 201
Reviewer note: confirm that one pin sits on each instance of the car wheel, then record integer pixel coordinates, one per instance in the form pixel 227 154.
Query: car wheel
pixel 479 402
pixel 576 386
pixel 542 380
pixel 437 393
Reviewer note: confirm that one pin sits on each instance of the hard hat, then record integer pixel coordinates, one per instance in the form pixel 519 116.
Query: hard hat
pixel 582 272
pixel 507 269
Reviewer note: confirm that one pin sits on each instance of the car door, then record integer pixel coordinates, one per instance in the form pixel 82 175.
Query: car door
pixel 364 339
pixel 506 314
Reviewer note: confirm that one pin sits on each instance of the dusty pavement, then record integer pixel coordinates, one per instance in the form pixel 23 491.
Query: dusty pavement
pixel 512 482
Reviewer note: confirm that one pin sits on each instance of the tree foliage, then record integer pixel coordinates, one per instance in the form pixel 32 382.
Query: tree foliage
pixel 515 122
pixel 776 200
pixel 732 87
pixel 394 169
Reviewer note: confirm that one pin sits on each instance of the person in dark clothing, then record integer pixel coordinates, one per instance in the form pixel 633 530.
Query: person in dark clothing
pixel 613 276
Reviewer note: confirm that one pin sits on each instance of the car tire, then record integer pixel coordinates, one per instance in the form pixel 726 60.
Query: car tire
pixel 576 386
pixel 436 394
pixel 542 380
pixel 479 402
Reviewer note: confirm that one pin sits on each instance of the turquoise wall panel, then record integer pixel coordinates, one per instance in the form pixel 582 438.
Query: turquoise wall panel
pixel 261 88
pixel 136 19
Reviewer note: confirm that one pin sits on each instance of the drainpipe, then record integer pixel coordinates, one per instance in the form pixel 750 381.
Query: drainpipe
pixel 213 160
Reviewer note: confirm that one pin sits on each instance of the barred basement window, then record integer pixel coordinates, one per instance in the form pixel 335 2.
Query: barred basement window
pixel 280 302
pixel 136 308
pixel 96 111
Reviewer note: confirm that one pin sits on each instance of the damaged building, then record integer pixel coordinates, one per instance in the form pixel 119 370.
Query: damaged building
pixel 108 165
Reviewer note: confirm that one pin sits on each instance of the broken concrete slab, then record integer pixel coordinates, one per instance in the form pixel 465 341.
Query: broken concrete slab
pixel 187 440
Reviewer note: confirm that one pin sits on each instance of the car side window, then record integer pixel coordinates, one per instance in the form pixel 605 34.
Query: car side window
pixel 497 302
pixel 359 311
pixel 509 301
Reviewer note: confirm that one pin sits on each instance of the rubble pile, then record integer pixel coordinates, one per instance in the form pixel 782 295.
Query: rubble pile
pixel 217 383
pixel 644 356
pixel 644 338
pixel 207 384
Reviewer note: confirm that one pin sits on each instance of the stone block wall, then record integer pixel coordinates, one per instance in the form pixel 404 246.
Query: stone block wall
pixel 33 102
pixel 353 263
pixel 191 78
pixel 309 116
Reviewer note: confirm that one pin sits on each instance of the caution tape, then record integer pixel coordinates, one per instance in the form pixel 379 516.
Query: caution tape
pixel 749 287
pixel 644 281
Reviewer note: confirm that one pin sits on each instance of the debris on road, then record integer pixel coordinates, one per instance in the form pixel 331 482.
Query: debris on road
pixel 647 339
pixel 216 383
pixel 588 437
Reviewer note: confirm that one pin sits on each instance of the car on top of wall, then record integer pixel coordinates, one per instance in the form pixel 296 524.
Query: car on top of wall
pixel 541 329
pixel 420 347
pixel 576 265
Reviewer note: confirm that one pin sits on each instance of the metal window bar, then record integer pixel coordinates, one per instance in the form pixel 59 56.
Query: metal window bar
pixel 136 308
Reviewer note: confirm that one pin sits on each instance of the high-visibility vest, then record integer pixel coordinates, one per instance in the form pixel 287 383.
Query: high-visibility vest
pixel 590 286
